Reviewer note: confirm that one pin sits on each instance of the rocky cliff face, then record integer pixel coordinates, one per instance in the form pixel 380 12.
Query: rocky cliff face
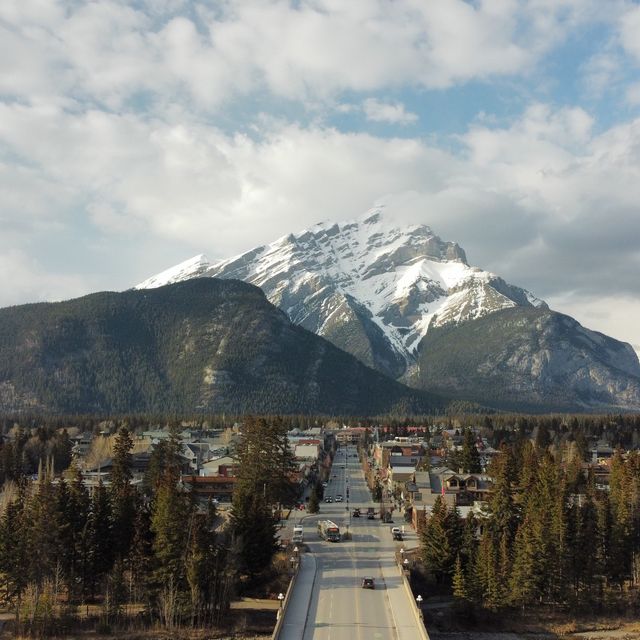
pixel 530 359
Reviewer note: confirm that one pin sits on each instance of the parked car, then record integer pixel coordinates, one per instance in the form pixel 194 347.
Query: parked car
pixel 368 583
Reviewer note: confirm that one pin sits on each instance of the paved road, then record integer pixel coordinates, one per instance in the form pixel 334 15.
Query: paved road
pixel 339 609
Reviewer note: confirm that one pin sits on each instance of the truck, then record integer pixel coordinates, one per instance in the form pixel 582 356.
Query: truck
pixel 298 534
pixel 329 531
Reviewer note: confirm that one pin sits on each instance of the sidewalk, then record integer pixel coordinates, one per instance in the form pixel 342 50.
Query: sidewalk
pixel 406 623
pixel 298 607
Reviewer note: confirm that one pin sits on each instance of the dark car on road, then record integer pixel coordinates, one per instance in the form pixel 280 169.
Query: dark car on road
pixel 368 583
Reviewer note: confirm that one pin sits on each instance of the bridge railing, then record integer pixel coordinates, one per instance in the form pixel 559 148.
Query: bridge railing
pixel 417 612
pixel 284 603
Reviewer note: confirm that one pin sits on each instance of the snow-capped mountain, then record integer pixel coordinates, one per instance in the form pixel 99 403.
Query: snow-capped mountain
pixel 408 304
pixel 371 287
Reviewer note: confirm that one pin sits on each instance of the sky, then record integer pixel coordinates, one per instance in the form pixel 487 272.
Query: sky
pixel 136 134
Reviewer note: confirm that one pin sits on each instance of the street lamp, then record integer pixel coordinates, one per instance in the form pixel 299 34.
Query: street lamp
pixel 295 551
pixel 405 564
pixel 281 598
pixel 419 603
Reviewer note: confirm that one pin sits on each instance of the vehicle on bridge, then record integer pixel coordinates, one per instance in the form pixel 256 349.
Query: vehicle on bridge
pixel 368 583
pixel 396 532
pixel 329 531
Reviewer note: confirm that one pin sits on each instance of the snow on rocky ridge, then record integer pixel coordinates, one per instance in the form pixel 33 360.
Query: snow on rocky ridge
pixel 369 278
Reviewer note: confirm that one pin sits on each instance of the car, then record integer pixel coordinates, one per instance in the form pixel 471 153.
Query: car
pixel 328 499
pixel 398 536
pixel 338 498
pixel 368 583
pixel 356 512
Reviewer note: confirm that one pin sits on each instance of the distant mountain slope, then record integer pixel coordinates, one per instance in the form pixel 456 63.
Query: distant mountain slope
pixel 202 345
pixel 530 359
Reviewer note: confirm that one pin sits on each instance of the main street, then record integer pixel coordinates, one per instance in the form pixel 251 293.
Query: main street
pixel 340 609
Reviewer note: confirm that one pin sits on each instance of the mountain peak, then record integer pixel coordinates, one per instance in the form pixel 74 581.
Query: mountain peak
pixel 191 268
pixel 388 282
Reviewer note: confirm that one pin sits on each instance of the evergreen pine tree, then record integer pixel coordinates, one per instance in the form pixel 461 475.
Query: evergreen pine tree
pixel 486 584
pixel 470 458
pixel 264 484
pixel 524 585
pixel 621 548
pixel 170 521
pixel 14 553
pixel 459 581
pixel 99 538
pixel 435 547
pixel 314 502
pixel 41 520
pixel 141 555
pixel 122 494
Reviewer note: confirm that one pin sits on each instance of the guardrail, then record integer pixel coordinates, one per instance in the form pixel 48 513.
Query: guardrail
pixel 417 613
pixel 283 608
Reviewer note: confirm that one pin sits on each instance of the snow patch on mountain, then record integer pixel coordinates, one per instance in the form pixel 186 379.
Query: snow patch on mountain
pixel 193 268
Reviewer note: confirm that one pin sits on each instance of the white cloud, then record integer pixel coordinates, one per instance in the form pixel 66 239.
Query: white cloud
pixel 633 94
pixel 601 71
pixel 110 53
pixel 24 278
pixel 629 30
pixel 391 112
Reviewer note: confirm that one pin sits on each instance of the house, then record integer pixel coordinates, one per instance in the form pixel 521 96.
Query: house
pixel 601 452
pixel 219 488
pixel 350 435
pixel 197 453
pixel 307 449
pixel 457 490
pixel 219 466
pixel 81 444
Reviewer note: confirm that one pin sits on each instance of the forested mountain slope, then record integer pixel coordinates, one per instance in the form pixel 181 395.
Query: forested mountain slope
pixel 201 345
